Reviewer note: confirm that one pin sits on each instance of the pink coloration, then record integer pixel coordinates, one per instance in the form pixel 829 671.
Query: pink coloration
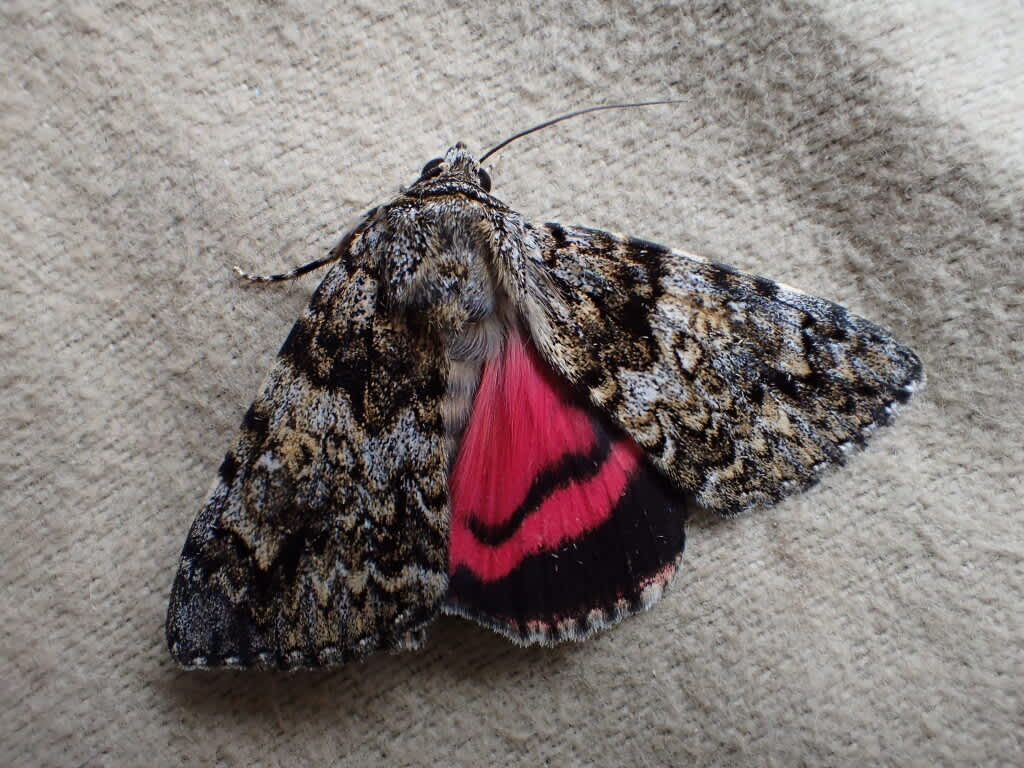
pixel 522 424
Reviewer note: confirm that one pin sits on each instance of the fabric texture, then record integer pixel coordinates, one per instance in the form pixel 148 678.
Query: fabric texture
pixel 867 152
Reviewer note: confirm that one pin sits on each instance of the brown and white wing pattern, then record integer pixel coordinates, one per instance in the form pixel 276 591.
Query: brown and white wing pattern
pixel 739 389
pixel 325 536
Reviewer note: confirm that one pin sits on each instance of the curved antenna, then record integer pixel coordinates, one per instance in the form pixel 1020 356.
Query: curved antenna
pixel 577 113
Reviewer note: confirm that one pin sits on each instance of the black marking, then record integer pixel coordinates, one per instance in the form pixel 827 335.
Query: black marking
pixel 765 287
pixel 593 380
pixel 255 424
pixel 228 469
pixel 298 347
pixel 452 188
pixel 600 243
pixel 603 569
pixel 267 585
pixel 557 233
pixel 835 327
pixel 902 394
pixel 571 468
pixel 648 249
pixel 635 317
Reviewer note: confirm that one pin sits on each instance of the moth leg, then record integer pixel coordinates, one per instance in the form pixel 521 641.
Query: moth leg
pixel 333 255
pixel 290 274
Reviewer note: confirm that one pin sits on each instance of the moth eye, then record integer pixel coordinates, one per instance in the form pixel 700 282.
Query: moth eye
pixel 485 179
pixel 432 168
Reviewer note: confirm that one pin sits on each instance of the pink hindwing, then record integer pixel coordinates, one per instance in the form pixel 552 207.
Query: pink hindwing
pixel 534 496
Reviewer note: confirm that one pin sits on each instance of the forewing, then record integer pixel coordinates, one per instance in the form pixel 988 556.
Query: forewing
pixel 739 389
pixel 325 536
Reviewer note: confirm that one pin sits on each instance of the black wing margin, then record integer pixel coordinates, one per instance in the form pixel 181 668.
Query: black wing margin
pixel 739 389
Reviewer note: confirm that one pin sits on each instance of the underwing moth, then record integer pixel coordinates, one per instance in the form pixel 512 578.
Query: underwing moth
pixel 505 420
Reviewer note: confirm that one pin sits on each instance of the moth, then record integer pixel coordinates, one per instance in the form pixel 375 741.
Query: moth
pixel 506 420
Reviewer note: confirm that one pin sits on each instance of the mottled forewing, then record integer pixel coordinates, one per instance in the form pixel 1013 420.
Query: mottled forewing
pixel 739 389
pixel 325 536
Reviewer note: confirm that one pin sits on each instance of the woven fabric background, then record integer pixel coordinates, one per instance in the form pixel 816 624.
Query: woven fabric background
pixel 870 152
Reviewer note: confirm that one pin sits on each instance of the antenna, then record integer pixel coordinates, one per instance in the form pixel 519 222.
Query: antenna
pixel 577 113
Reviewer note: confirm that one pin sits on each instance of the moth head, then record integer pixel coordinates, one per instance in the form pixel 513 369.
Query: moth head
pixel 458 164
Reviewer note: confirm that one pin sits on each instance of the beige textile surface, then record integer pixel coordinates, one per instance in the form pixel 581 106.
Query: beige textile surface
pixel 870 152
